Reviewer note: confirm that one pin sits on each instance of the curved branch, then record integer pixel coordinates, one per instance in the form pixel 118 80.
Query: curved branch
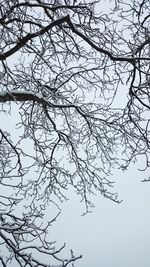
pixel 22 42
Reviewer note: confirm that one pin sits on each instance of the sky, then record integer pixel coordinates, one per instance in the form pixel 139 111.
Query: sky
pixel 111 235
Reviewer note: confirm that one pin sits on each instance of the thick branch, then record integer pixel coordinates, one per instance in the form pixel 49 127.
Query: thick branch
pixel 30 36
pixel 20 96
pixel 101 50
pixel 22 42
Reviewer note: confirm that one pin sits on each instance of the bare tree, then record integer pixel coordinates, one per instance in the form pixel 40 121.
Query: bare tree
pixel 79 78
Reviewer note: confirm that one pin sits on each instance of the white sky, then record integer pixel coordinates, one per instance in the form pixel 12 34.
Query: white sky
pixel 112 235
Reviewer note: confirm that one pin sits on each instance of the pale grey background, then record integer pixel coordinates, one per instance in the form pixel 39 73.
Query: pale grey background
pixel 112 235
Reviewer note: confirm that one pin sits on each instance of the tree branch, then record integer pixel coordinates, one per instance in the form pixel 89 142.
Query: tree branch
pixel 22 42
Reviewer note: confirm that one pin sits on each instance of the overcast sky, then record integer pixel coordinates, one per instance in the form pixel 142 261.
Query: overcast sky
pixel 112 235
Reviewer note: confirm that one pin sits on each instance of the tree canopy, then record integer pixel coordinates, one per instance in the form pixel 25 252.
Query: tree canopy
pixel 77 73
